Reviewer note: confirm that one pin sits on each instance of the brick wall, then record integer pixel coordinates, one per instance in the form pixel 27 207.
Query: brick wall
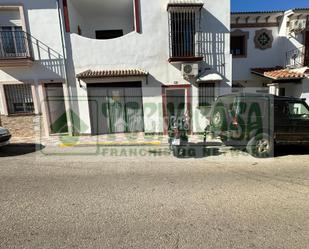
pixel 22 126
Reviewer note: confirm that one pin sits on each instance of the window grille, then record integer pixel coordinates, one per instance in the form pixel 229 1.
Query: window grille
pixel 184 28
pixel 14 43
pixel 19 99
pixel 206 94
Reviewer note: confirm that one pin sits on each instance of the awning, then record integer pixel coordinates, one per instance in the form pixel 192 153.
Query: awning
pixel 185 3
pixel 89 74
pixel 210 77
pixel 278 73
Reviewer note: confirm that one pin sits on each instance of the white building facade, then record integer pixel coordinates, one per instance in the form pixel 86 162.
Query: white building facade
pixel 31 67
pixel 104 67
pixel 157 39
pixel 271 52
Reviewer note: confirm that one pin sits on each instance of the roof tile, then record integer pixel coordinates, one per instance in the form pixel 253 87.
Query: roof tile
pixel 111 73
pixel 278 73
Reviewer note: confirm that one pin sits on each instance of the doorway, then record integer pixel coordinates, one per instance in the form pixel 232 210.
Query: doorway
pixel 115 107
pixel 176 103
pixel 56 108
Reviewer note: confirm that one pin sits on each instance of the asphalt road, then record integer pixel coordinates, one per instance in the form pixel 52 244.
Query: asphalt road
pixel 151 200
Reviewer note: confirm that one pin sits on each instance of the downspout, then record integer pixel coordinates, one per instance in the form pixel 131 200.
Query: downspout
pixel 66 86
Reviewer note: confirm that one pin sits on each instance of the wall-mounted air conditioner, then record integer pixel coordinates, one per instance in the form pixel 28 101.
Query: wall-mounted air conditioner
pixel 189 70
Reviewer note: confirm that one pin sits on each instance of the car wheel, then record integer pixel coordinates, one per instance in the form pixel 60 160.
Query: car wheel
pixel 218 121
pixel 261 146
pixel 218 117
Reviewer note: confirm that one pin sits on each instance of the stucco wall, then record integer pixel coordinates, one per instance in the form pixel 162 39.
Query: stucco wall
pixel 150 51
pixel 271 57
pixel 43 24
pixel 96 17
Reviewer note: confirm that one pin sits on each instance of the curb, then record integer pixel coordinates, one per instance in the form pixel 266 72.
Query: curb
pixel 70 145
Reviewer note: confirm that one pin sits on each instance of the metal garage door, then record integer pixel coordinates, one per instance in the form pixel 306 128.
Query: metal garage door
pixel 116 107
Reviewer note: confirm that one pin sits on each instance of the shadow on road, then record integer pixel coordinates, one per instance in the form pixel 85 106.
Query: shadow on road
pixel 201 150
pixel 12 150
pixel 281 151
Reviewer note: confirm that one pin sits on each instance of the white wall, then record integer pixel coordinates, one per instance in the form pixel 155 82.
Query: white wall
pixel 271 57
pixel 89 22
pixel 42 23
pixel 150 51
pixel 275 56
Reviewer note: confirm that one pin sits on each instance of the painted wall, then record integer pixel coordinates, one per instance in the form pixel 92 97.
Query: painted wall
pixel 271 57
pixel 42 23
pixel 90 22
pixel 150 51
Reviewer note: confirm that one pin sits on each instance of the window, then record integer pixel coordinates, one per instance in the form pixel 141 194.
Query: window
pixel 239 43
pixel 183 34
pixel 206 94
pixel 298 109
pixel 184 27
pixel 108 34
pixel 282 91
pixel 19 99
pixel 13 41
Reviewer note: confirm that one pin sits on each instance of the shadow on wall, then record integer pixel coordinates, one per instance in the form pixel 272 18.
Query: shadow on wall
pixel 48 63
pixel 212 44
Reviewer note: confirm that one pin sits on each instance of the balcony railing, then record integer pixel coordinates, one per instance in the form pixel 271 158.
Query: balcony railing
pixel 15 45
pixel 295 58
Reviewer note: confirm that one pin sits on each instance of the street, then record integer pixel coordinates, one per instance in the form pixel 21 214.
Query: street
pixel 223 200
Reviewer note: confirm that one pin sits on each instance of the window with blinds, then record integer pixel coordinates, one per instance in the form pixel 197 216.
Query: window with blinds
pixel 19 99
pixel 206 94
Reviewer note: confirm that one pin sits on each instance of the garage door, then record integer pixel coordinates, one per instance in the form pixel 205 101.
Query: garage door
pixel 115 107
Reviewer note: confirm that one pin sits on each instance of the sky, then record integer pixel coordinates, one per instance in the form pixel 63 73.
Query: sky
pixel 258 5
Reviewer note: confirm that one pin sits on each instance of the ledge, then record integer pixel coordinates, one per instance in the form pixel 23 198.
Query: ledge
pixel 16 62
pixel 185 59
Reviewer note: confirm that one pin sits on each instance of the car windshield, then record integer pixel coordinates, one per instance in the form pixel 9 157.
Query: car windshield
pixel 298 109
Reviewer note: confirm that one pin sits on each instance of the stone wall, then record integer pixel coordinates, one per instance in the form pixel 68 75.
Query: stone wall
pixel 27 126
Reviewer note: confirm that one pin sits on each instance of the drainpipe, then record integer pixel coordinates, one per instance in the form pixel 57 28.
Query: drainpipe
pixel 67 99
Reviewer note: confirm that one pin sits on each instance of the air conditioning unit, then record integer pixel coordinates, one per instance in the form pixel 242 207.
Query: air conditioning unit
pixel 189 70
pixel 297 25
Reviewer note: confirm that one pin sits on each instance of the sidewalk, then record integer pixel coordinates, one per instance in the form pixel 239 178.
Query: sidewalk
pixel 133 139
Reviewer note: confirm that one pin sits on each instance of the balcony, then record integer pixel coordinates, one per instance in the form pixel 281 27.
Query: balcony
pixel 101 19
pixel 15 49
pixel 297 58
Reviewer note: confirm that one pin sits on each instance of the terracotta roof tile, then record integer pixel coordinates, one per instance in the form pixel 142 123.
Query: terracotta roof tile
pixel 278 73
pixel 111 73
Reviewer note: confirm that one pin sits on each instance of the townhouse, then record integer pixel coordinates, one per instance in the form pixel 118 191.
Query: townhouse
pixel 32 67
pixel 104 67
pixel 271 52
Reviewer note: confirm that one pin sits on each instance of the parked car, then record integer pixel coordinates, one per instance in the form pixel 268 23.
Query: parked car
pixel 5 136
pixel 258 122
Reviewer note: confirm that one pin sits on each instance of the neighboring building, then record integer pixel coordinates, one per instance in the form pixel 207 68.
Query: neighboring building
pixel 271 52
pixel 31 67
pixel 118 66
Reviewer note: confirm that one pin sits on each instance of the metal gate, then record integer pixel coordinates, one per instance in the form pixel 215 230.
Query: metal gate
pixel 116 107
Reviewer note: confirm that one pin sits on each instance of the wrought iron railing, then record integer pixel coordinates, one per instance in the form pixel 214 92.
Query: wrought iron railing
pixel 295 58
pixel 184 26
pixel 15 45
